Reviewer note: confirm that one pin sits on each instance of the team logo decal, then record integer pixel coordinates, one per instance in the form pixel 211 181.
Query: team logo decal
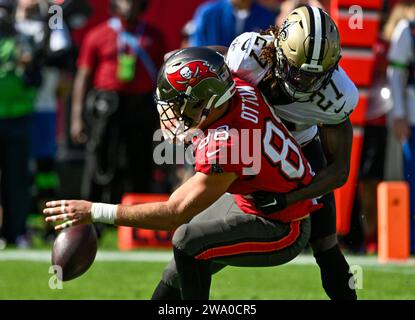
pixel 190 75
pixel 283 34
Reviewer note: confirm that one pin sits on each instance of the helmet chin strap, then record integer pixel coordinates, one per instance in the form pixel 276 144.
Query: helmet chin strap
pixel 225 97
pixel 183 107
pixel 206 111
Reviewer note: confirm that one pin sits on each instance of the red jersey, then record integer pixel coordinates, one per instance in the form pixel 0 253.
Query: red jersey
pixel 251 141
pixel 99 53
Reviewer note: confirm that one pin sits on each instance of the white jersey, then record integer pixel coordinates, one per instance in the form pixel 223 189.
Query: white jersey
pixel 401 55
pixel 331 105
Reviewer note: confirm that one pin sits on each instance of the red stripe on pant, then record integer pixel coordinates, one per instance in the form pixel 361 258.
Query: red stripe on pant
pixel 253 247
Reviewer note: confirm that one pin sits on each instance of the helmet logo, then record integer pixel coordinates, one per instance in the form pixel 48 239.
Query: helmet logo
pixel 186 73
pixel 189 75
pixel 283 34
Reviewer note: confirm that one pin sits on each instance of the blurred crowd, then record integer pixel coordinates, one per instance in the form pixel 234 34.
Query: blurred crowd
pixel 77 79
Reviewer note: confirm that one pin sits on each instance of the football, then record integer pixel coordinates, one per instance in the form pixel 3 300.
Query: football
pixel 74 251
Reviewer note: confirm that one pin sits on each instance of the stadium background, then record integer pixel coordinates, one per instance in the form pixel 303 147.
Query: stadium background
pixel 132 275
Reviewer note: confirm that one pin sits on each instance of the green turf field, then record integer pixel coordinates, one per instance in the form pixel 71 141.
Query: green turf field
pixel 132 276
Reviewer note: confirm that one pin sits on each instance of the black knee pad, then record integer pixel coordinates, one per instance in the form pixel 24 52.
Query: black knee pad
pixel 323 244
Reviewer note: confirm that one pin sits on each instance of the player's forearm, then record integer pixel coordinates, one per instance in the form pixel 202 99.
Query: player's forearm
pixel 187 201
pixel 337 144
pixel 79 91
pixel 154 216
pixel 326 181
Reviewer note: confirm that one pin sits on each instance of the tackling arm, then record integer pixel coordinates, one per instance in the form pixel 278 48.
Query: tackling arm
pixel 337 145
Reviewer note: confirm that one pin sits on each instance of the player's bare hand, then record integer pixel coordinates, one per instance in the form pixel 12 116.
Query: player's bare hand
pixel 77 131
pixel 68 212
pixel 401 129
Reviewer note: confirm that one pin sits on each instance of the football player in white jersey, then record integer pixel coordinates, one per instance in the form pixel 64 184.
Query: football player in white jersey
pixel 296 68
pixel 401 75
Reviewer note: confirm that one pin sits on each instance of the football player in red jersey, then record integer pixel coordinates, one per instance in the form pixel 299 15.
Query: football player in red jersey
pixel 215 221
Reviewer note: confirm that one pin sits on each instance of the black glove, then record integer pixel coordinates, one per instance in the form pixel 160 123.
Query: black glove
pixel 269 202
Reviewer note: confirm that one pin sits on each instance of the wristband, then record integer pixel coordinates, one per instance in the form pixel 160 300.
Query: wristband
pixel 103 212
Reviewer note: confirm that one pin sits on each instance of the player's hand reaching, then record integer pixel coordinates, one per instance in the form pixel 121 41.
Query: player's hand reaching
pixel 69 212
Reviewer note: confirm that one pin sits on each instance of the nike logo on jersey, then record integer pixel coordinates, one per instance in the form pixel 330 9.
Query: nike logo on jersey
pixel 341 108
pixel 210 154
pixel 270 204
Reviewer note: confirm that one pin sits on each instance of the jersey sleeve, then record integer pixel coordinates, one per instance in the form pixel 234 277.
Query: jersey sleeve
pixel 218 152
pixel 400 52
pixel 243 57
pixel 352 96
pixel 348 95
pixel 88 51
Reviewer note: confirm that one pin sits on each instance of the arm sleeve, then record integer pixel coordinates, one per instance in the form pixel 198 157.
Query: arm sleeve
pixel 236 56
pixel 351 101
pixel 88 52
pixel 240 57
pixel 351 94
pixel 400 51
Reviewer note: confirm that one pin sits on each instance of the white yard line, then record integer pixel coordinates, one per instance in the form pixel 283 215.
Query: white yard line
pixel 165 256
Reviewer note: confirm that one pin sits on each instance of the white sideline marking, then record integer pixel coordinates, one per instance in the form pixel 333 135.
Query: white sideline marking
pixel 45 256
pixel 165 256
